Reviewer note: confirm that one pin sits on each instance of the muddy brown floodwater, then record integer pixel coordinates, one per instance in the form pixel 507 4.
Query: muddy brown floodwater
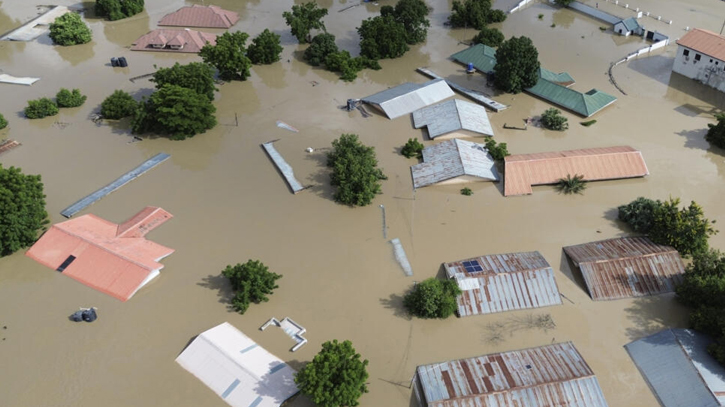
pixel 340 277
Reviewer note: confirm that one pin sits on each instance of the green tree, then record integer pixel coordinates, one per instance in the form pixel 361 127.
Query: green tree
pixel 489 36
pixel 118 105
pixel 228 56
pixel 639 214
pixel 412 14
pixel 196 76
pixel 118 9
pixel 321 46
pixel 175 111
pixel 3 122
pixel 413 148
pixel 716 132
pixel 335 377
pixel 382 37
pixel 571 185
pixel 552 119
pixel 517 65
pixel 304 18
pixel 564 3
pixel 348 67
pixel 498 151
pixel 265 48
pixel 354 171
pixel 66 98
pixel 38 109
pixel 22 209
pixel 432 298
pixel 69 29
pixel 475 14
pixel 251 282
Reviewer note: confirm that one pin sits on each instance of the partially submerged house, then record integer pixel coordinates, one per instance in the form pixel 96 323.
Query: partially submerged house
pixel 547 376
pixel 678 369
pixel 409 97
pixel 522 171
pixel 454 161
pixel 627 267
pixel 628 26
pixel 503 282
pixel 701 56
pixel 200 16
pixel 187 41
pixel 237 369
pixel 453 118
pixel 115 259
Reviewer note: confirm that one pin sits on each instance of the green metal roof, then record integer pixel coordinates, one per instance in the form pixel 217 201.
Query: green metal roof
pixel 630 24
pixel 482 56
pixel 562 77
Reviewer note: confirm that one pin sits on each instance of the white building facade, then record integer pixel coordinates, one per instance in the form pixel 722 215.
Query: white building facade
pixel 701 56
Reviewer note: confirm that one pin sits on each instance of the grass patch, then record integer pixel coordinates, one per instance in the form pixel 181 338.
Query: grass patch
pixel 588 123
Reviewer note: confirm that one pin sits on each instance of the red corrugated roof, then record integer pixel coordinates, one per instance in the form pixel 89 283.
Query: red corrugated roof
pixel 200 16
pixel 595 164
pixel 191 40
pixel 114 259
pixel 707 42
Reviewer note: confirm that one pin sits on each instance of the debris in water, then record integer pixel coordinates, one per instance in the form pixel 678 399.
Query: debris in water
pixel 310 149
pixel 85 314
pixel 363 112
pixel 401 257
pixel 314 83
pixel 286 126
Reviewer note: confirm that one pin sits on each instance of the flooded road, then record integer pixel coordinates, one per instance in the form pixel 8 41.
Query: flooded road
pixel 340 276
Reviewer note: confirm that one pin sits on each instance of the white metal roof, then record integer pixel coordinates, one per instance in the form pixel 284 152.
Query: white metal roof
pixel 453 158
pixel 237 369
pixel 409 97
pixel 453 115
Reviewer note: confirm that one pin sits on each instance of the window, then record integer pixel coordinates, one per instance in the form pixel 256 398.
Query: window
pixel 697 57
pixel 472 266
pixel 710 60
pixel 686 52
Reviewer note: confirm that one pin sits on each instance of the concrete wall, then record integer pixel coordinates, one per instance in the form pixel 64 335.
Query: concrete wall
pixel 594 12
pixel 708 70
pixel 519 5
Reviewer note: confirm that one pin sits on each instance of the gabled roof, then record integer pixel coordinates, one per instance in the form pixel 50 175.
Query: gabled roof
pixel 561 78
pixel 678 368
pixel 453 158
pixel 409 97
pixel 453 115
pixel 627 267
pixel 547 376
pixel 503 282
pixel 237 369
pixel 707 42
pixel 595 164
pixel 482 56
pixel 114 259
pixel 193 41
pixel 630 23
pixel 200 16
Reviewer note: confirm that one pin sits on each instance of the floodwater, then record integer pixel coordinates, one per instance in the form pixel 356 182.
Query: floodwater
pixel 340 277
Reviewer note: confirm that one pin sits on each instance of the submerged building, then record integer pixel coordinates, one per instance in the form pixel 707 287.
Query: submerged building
pixel 200 16
pixel 186 41
pixel 701 56
pixel 453 118
pixel 409 97
pixel 452 162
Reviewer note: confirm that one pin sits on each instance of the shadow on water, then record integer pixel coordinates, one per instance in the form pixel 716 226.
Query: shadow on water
pixel 612 215
pixel 657 67
pixel 395 303
pixel 221 284
pixel 572 272
pixel 711 98
pixel 187 345
pixel 695 139
pixel 319 182
pixel 650 315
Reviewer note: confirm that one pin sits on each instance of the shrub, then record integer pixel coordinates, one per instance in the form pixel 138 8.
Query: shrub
pixel 22 209
pixel 354 171
pixel 498 151
pixel 716 132
pixel 489 36
pixel 196 76
pixel 588 123
pixel 321 46
pixel 66 98
pixel 38 109
pixel 466 191
pixel 347 66
pixel 517 65
pixel 475 14
pixel 413 148
pixel 432 298
pixel 571 185
pixel 175 111
pixel 304 18
pixel 639 214
pixel 118 9
pixel 69 29
pixel 552 119
pixel 265 48
pixel 118 105
pixel 228 56
pixel 3 122
pixel 541 16
pixel 251 282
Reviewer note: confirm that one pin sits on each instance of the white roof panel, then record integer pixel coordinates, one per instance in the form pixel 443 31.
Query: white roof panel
pixel 453 115
pixel 409 97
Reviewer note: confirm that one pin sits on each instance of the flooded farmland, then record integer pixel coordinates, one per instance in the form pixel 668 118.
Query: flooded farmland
pixel 341 279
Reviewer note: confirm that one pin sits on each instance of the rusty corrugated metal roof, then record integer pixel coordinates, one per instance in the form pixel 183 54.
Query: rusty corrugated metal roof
pixel 627 267
pixel 200 16
pixel 548 376
pixel 595 164
pixel 191 41
pixel 707 42
pixel 503 282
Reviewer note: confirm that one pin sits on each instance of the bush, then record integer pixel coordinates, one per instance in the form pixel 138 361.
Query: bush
pixel 228 56
pixel 304 18
pixel 3 122
pixel 489 36
pixel 175 111
pixel 466 191
pixel 251 282
pixel 588 123
pixel 196 76
pixel 432 298
pixel 22 209
pixel 69 29
pixel 553 120
pixel 354 171
pixel 382 37
pixel 475 14
pixel 119 105
pixel 38 109
pixel 716 132
pixel 639 214
pixel 322 46
pixel 265 48
pixel 571 185
pixel 517 65
pixel 347 66
pixel 66 98
pixel 563 3
pixel 118 9
pixel 498 151
pixel 413 148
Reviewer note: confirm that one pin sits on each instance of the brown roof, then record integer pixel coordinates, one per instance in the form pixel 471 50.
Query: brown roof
pixel 704 41
pixel 201 16
pixel 627 267
pixel 595 164
pixel 192 40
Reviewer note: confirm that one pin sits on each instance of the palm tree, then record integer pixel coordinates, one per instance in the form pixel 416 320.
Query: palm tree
pixel 571 185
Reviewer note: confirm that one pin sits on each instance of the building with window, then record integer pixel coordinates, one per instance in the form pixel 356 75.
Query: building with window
pixel 701 56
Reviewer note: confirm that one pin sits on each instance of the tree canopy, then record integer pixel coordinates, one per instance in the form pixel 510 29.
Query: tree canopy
pixel 382 37
pixel 251 282
pixel 22 209
pixel 412 15
pixel 432 298
pixel 335 377
pixel 196 76
pixel 304 18
pixel 118 105
pixel 716 132
pixel 175 111
pixel 413 148
pixel 69 29
pixel 552 119
pixel 564 3
pixel 354 171
pixel 320 47
pixel 118 9
pixel 517 65
pixel 38 109
pixel 265 48
pixel 3 122
pixel 475 14
pixel 489 36
pixel 228 56
pixel 66 98
pixel 498 151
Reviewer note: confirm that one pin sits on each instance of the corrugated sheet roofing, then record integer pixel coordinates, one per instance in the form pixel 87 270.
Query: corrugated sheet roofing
pixel 595 164
pixel 453 115
pixel 200 16
pixel 451 159
pixel 707 42
pixel 562 78
pixel 548 376
pixel 192 41
pixel 409 97
pixel 482 56
pixel 237 369
pixel 503 282
pixel 678 368
pixel 630 23
pixel 627 267
pixel 114 259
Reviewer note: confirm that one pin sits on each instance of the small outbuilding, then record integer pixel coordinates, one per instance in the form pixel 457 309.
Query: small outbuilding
pixel 200 16
pixel 409 97
pixel 237 369
pixel 453 162
pixel 186 41
pixel 628 26
pixel 453 118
